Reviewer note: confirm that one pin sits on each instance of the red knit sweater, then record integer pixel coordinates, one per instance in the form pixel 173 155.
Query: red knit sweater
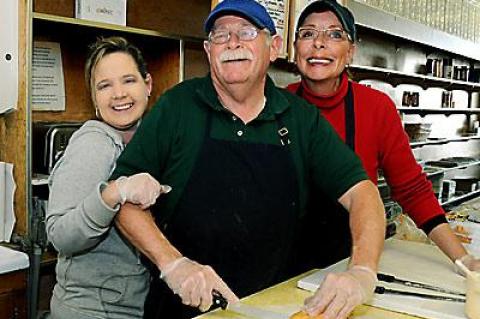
pixel 381 143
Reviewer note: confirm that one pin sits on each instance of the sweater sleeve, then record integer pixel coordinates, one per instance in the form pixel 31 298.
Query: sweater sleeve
pixel 77 218
pixel 408 183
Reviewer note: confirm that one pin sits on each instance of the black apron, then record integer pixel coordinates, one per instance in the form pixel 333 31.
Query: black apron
pixel 324 237
pixel 238 214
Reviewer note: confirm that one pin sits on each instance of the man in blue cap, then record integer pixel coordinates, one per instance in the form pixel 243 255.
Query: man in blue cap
pixel 241 155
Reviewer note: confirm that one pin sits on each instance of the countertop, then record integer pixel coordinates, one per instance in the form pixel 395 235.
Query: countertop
pixel 287 298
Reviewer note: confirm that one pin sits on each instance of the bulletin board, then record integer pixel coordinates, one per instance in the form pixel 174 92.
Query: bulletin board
pixel 279 10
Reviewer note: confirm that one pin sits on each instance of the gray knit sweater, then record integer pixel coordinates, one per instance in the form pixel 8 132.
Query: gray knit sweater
pixel 99 274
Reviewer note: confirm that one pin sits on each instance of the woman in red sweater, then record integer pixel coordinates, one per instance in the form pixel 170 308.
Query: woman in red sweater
pixel 367 120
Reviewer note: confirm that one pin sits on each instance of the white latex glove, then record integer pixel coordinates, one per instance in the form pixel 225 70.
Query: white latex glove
pixel 194 283
pixel 469 261
pixel 341 292
pixel 140 189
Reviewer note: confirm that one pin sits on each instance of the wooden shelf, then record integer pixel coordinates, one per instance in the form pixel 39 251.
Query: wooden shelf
pixel 161 53
pixel 397 77
pixel 107 26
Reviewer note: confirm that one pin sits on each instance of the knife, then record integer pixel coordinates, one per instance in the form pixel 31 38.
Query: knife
pixel 415 284
pixel 245 310
pixel 383 290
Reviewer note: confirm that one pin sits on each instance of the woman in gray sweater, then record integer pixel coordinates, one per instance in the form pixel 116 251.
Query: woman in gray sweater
pixel 99 274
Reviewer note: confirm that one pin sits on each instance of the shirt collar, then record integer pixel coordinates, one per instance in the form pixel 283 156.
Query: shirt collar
pixel 277 103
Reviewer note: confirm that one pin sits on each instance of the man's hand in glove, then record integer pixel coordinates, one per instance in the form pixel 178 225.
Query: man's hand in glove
pixel 341 292
pixel 194 283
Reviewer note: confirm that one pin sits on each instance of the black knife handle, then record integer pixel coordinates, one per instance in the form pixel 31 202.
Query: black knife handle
pixel 219 300
pixel 385 277
pixel 379 290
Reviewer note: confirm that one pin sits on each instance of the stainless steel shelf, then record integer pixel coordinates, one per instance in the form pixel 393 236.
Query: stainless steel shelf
pixel 446 111
pixel 458 199
pixel 379 20
pixel 462 166
pixel 444 141
pixel 395 77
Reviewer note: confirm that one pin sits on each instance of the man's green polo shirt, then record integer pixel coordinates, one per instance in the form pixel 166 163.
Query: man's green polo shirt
pixel 168 141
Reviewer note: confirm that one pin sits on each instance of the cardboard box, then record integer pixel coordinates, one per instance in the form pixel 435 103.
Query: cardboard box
pixel 108 11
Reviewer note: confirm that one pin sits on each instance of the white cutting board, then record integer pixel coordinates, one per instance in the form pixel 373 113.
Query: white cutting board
pixel 411 261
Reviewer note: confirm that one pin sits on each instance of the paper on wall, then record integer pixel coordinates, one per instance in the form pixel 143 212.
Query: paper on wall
pixel 48 86
pixel 7 192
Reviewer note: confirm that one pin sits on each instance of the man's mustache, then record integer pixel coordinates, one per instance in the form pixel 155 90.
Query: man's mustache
pixel 237 54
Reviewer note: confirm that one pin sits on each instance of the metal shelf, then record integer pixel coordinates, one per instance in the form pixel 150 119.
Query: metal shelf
pixel 447 111
pixel 387 23
pixel 444 141
pixel 39 179
pixel 395 77
pixel 462 166
pixel 458 199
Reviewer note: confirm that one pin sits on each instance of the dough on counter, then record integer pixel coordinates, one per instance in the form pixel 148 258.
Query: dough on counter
pixel 304 315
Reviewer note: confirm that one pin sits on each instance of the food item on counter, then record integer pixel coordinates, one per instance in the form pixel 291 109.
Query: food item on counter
pixel 462 234
pixel 304 315
pixel 459 229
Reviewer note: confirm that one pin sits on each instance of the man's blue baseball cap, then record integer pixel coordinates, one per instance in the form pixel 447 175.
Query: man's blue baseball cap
pixel 248 9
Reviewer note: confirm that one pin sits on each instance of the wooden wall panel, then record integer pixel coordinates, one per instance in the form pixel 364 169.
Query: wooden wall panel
pixel 162 57
pixel 65 8
pixel 74 50
pixel 179 17
pixel 196 62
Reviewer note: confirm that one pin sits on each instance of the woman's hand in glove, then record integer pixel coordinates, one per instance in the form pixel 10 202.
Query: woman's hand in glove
pixel 194 283
pixel 341 292
pixel 141 189
pixel 469 261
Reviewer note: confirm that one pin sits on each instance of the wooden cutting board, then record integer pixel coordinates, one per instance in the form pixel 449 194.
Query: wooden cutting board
pixel 410 261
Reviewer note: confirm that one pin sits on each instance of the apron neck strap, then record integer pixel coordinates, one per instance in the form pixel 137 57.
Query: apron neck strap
pixel 349 115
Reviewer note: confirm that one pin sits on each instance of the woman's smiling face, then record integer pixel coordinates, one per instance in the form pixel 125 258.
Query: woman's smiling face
pixel 322 59
pixel 120 92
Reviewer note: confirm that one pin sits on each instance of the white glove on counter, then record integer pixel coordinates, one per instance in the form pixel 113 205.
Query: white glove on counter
pixel 341 292
pixel 194 283
pixel 140 189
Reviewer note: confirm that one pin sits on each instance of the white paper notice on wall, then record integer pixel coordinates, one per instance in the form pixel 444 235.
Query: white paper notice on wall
pixel 48 86
pixel 7 192
pixel 8 55
pixel 108 11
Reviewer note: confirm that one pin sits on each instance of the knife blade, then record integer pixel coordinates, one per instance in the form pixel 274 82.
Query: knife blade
pixel 415 284
pixel 246 310
pixel 255 312
pixel 382 290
